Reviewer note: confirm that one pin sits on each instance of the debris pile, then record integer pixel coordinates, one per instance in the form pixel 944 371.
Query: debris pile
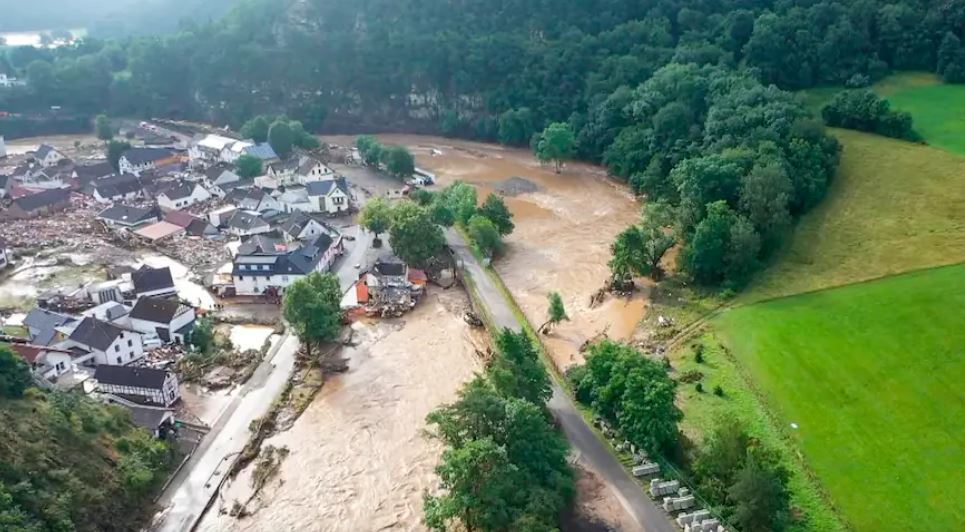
pixel 75 227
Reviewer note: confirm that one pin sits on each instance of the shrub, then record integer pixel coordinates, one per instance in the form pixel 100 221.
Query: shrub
pixel 718 391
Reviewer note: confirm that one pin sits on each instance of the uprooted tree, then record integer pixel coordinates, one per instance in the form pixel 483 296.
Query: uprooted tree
pixel 556 312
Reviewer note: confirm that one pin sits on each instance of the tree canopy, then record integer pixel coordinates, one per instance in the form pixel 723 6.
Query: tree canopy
pixel 495 209
pixel 248 166
pixel 311 307
pixel 103 128
pixel 505 465
pixel 414 235
pixel 633 392
pixel 556 143
pixel 376 216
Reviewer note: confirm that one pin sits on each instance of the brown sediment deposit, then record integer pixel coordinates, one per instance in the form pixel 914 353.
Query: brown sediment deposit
pixel 359 457
pixel 565 224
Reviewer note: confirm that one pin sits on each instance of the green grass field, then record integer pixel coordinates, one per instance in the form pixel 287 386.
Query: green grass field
pixel 872 373
pixel 894 207
pixel 938 111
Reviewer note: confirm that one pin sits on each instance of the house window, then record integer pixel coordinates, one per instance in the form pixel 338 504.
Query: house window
pixel 117 349
pixel 241 277
pixel 130 343
pixel 118 361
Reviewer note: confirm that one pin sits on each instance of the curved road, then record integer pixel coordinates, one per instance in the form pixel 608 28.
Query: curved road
pixel 630 494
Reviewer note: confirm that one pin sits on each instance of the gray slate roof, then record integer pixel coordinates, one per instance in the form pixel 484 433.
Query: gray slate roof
pixel 130 376
pixel 128 215
pixel 324 188
pixel 148 279
pixel 95 333
pixel 117 185
pixel 179 191
pixel 156 310
pixel 42 199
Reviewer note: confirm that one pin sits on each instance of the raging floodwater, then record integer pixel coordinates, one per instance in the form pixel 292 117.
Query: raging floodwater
pixel 359 459
pixel 565 224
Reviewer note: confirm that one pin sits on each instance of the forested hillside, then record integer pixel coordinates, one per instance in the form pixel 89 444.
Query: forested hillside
pixel 70 463
pixel 461 65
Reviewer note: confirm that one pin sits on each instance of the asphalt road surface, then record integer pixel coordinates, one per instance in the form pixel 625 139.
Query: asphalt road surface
pixel 630 494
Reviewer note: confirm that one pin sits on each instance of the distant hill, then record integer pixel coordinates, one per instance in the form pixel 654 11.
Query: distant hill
pixel 111 18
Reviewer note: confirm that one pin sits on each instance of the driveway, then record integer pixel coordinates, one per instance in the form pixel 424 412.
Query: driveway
pixel 582 438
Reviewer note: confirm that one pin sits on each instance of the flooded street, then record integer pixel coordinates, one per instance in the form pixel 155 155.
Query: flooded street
pixel 564 229
pixel 359 459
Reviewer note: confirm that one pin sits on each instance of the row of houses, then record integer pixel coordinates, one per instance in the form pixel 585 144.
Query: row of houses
pixel 134 314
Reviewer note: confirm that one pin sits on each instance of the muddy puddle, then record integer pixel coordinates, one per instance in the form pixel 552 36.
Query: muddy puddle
pixel 189 289
pixel 565 224
pixel 245 337
pixel 358 457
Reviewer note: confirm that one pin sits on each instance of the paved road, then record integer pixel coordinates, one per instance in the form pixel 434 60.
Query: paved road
pixel 581 436
pixel 356 251
pixel 186 498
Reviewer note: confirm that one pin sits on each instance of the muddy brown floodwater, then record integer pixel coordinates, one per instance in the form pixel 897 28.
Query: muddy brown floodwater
pixel 564 229
pixel 359 459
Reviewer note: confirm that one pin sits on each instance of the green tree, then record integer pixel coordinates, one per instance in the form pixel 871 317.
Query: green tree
pixel 516 370
pixel 639 249
pixel 414 235
pixel 398 161
pixel 765 197
pixel 720 458
pixel 760 495
pixel 41 78
pixel 495 209
pixel 376 216
pixel 441 212
pixel 248 166
pixel 370 149
pixel 516 126
pixel 461 199
pixel 14 374
pixel 311 307
pixel 634 392
pixel 724 247
pixel 535 451
pixel 556 312
pixel 115 149
pixel 281 138
pixel 102 127
pixel 202 335
pixel 257 128
pixel 556 143
pixel 481 488
pixel 484 235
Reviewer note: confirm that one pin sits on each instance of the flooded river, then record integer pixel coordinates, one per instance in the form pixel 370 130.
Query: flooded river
pixel 359 459
pixel 564 229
